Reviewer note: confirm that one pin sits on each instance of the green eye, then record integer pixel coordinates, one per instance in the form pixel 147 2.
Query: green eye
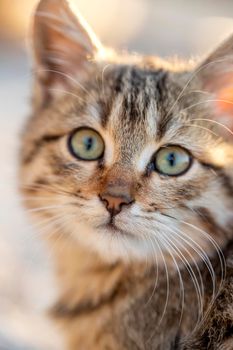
pixel 86 144
pixel 172 160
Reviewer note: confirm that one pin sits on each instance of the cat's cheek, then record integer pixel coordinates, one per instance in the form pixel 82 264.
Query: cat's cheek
pixel 160 191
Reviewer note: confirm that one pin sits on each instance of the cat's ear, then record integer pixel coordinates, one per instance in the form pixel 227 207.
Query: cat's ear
pixel 216 76
pixel 64 47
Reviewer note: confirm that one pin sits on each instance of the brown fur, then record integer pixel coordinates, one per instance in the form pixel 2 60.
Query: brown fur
pixel 122 288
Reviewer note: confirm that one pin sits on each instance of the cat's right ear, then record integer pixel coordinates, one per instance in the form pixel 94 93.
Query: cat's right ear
pixel 64 49
pixel 216 77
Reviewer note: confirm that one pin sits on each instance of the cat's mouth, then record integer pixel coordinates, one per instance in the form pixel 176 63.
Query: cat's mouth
pixel 112 226
pixel 114 229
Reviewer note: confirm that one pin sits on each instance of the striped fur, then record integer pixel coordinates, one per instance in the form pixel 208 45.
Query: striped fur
pixel 176 225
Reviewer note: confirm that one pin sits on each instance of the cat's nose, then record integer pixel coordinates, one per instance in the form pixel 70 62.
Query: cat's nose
pixel 114 203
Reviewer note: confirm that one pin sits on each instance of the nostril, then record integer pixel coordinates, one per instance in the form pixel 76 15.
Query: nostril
pixel 104 200
pixel 114 203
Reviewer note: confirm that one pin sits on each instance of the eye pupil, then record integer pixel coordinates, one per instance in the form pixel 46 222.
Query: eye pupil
pixel 171 159
pixel 88 143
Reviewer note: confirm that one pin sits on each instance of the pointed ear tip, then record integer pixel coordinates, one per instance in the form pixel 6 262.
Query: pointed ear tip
pixel 44 4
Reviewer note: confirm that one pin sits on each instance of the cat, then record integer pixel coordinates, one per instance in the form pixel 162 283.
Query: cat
pixel 127 167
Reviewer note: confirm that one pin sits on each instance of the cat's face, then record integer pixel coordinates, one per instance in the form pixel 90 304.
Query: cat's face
pixel 119 155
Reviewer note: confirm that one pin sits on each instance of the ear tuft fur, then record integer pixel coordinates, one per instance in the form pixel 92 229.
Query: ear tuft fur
pixel 216 76
pixel 64 46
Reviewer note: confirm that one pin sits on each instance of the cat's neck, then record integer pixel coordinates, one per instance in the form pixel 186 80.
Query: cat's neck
pixel 85 281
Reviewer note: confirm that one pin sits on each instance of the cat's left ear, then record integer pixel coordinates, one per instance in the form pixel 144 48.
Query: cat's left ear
pixel 216 76
pixel 64 48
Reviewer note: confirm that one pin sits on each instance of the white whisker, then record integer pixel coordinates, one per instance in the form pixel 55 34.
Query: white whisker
pixel 192 275
pixel 202 127
pixel 67 93
pixel 196 72
pixel 199 251
pixel 215 122
pixel 77 83
pixel 157 269
pixel 167 280
pixel 46 209
pixel 214 243
pixel 182 292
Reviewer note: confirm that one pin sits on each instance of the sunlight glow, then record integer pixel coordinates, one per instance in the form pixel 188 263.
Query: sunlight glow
pixel 101 15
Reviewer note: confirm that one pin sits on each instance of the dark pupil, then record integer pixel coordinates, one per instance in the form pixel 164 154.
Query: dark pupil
pixel 88 142
pixel 171 159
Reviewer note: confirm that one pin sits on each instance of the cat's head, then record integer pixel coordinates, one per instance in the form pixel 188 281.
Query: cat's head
pixel 129 155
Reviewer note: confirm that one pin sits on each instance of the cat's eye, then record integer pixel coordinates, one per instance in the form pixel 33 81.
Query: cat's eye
pixel 172 160
pixel 86 144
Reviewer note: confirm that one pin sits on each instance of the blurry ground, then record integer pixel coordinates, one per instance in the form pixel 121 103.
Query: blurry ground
pixel 162 27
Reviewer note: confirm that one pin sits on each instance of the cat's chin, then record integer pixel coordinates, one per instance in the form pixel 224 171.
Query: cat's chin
pixel 112 243
pixel 112 228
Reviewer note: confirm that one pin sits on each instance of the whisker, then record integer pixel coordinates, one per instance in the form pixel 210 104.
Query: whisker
pixel 202 127
pixel 167 281
pixel 102 75
pixel 197 91
pixel 50 221
pixel 182 293
pixel 44 226
pixel 196 247
pixel 215 122
pixel 204 257
pixel 67 93
pixel 77 83
pixel 192 275
pixel 59 230
pixel 197 71
pixel 51 207
pixel 213 242
pixel 157 269
pixel 190 255
pixel 49 188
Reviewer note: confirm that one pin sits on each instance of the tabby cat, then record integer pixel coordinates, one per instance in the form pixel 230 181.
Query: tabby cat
pixel 127 166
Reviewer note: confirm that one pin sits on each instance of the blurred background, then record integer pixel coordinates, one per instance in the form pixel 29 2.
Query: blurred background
pixel 163 27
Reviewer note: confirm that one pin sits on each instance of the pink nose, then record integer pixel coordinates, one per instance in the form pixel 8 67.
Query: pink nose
pixel 114 203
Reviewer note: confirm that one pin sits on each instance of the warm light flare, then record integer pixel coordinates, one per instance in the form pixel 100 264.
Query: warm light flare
pixel 102 15
pixel 14 18
pixel 225 100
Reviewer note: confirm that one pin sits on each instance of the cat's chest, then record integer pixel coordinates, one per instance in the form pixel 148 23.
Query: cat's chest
pixel 121 320
pixel 115 307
